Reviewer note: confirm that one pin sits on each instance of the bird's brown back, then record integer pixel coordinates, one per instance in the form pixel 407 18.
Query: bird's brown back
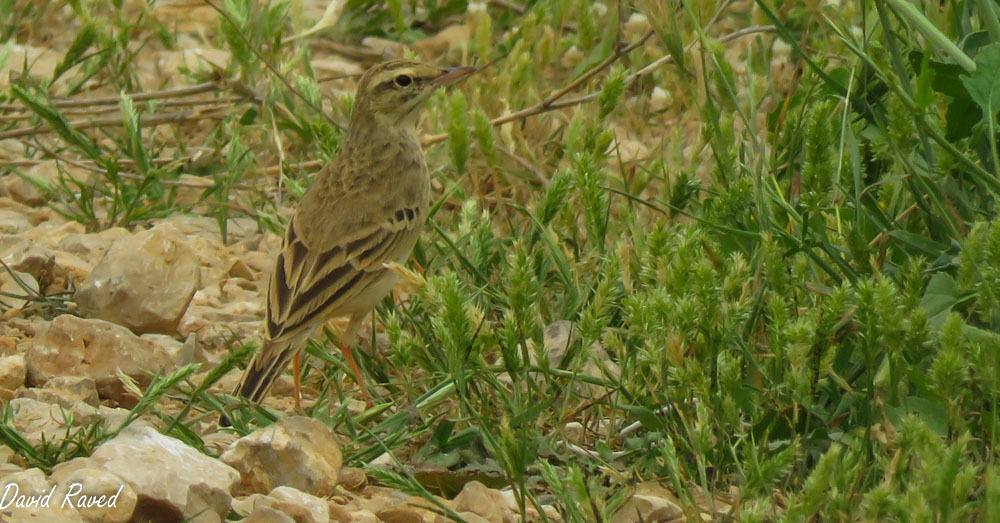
pixel 366 208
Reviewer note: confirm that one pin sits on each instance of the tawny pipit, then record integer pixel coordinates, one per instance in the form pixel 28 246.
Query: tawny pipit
pixel 364 209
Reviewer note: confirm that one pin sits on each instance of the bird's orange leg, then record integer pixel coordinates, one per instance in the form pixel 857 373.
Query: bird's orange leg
pixel 348 352
pixel 346 341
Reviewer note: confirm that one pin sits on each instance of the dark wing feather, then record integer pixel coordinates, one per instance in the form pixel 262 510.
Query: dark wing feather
pixel 309 285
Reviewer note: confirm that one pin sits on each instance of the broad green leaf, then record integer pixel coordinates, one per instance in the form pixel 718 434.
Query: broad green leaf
pixel 932 413
pixel 984 83
pixel 647 417
pixel 941 294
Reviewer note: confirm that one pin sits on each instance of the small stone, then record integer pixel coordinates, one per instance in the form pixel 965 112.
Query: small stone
pixel 299 505
pixel 512 514
pixel 76 267
pixel 482 500
pixel 707 503
pixel 239 289
pixel 50 232
pixel 37 421
pixel 472 517
pixel 296 451
pixel 98 495
pixel 13 370
pixel 364 516
pixel 23 255
pixel 66 468
pixel 649 502
pixel 6 469
pixel 339 513
pixel 217 442
pixel 244 505
pixel 171 480
pixel 258 261
pixel 144 282
pixel 92 247
pixel 294 504
pixel 405 514
pixel 181 353
pixel 574 431
pixel 552 512
pixel 207 227
pixel 23 191
pixel 239 269
pixel 66 391
pixel 94 349
pixel 376 499
pixel 13 222
pixel 353 479
pixel 384 460
pixel 266 514
pixel 32 483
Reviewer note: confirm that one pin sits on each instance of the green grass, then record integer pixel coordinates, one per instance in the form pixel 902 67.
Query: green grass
pixel 798 281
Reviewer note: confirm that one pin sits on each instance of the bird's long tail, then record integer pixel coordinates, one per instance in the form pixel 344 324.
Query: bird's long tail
pixel 265 367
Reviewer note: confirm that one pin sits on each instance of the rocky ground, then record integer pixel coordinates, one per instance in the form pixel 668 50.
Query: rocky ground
pixel 157 299
pixel 89 314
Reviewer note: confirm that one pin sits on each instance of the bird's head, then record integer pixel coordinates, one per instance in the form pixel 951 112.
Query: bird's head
pixel 391 93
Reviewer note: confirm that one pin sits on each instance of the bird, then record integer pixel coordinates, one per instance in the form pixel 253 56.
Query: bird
pixel 364 209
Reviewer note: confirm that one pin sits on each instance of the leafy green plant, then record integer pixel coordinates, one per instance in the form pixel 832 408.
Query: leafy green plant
pixel 777 247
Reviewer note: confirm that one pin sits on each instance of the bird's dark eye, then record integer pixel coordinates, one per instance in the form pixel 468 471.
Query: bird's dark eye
pixel 404 80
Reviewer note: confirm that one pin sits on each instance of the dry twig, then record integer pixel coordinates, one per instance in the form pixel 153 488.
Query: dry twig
pixel 146 121
pixel 106 109
pixel 553 102
pixel 178 92
pixel 203 183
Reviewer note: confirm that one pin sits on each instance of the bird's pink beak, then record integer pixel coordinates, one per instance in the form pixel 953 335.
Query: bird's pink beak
pixel 452 74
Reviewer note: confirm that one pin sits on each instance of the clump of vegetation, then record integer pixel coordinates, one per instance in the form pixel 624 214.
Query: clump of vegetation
pixel 778 225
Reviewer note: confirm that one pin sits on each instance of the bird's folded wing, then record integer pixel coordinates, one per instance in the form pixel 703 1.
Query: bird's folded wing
pixel 312 283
